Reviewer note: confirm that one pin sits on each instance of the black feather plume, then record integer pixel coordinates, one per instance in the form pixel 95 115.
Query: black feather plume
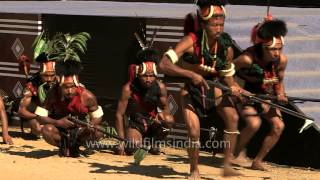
pixel 203 3
pixel 43 57
pixel 68 68
pixel 270 29
pixel 150 44
pixel 148 55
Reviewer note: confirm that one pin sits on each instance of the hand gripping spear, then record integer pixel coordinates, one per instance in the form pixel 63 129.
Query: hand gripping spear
pixel 309 121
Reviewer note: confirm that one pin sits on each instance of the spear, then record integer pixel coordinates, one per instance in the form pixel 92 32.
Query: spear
pixel 290 98
pixel 309 121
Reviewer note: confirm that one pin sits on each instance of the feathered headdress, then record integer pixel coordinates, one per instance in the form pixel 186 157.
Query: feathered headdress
pixel 40 45
pixel 41 48
pixel 65 49
pixel 147 58
pixel 269 31
pixel 211 8
pixel 24 64
pixel 46 65
pixel 203 3
pixel 68 72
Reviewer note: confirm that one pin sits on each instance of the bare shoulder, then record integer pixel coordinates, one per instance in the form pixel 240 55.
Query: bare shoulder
pixel 230 54
pixel 246 58
pixel 87 93
pixel 162 85
pixel 283 58
pixel 126 91
pixel 187 39
pixel 163 88
pixel 89 97
pixel 185 45
pixel 126 87
pixel 1 102
pixel 243 61
pixel 230 50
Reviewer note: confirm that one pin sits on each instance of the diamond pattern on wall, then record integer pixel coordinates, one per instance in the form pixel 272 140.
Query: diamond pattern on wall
pixel 17 48
pixel 18 90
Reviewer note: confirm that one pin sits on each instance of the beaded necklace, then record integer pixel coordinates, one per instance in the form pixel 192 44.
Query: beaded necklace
pixel 213 58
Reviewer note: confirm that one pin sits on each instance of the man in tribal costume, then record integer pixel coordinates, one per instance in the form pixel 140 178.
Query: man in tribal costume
pixel 144 102
pixel 69 98
pixel 262 67
pixel 207 54
pixel 35 92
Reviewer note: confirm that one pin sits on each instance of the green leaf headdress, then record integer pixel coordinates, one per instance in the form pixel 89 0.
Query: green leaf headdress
pixel 41 49
pixel 64 47
pixel 40 45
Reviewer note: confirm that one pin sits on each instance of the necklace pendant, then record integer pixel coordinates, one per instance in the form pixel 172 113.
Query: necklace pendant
pixel 214 56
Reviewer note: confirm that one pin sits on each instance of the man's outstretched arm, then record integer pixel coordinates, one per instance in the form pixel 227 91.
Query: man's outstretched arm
pixel 121 109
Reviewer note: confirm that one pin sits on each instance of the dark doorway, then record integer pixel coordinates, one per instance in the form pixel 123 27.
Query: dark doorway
pixel 110 51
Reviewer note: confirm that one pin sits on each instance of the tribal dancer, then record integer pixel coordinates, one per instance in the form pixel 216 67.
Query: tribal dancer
pixel 69 97
pixel 144 101
pixel 262 66
pixel 35 92
pixel 208 51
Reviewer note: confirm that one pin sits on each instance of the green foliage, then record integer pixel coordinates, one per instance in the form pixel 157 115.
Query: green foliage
pixel 40 44
pixel 61 47
pixel 109 129
pixel 139 155
pixel 64 47
pixel 42 93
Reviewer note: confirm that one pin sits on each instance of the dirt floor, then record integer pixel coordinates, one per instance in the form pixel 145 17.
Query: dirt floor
pixel 35 159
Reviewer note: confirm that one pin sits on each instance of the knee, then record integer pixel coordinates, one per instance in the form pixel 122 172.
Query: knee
pixel 169 121
pixel 278 127
pixel 98 135
pixel 233 119
pixel 48 129
pixel 254 124
pixel 36 130
pixel 231 122
pixel 134 135
pixel 35 124
pixel 194 134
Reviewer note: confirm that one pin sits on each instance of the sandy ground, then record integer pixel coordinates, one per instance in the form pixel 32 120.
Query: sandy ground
pixel 34 159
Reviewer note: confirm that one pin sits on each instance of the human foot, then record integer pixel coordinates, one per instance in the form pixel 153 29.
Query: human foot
pixel 229 171
pixel 241 160
pixel 258 166
pixel 195 175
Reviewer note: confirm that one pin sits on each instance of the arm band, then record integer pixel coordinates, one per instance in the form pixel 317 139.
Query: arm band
pixel 231 132
pixel 97 113
pixel 228 72
pixel 172 56
pixel 41 111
